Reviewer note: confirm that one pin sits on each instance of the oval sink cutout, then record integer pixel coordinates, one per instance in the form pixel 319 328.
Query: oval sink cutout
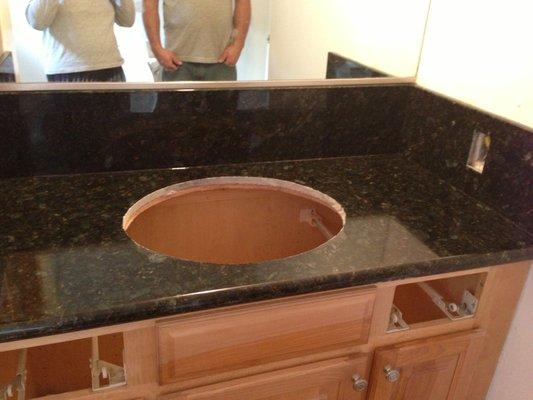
pixel 234 220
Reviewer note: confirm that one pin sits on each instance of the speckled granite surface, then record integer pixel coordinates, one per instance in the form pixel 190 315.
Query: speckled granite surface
pixel 66 264
pixel 439 133
pixel 80 132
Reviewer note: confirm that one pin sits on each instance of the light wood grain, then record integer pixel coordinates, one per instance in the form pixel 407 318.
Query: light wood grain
pixel 70 336
pixel 499 294
pixel 213 344
pixel 382 310
pixel 139 356
pixel 452 289
pixel 505 284
pixel 327 380
pixel 424 330
pixel 416 305
pixel 430 369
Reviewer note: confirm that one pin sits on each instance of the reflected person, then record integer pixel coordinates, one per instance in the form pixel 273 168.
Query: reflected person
pixel 203 38
pixel 78 37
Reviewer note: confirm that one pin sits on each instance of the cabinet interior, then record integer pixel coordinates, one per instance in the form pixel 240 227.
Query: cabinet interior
pixel 61 367
pixel 417 307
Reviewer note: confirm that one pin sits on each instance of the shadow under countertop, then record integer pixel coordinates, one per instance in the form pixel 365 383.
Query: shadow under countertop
pixel 66 264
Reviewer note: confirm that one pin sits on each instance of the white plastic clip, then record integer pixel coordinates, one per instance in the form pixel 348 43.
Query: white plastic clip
pixel 18 384
pixel 102 370
pixel 396 321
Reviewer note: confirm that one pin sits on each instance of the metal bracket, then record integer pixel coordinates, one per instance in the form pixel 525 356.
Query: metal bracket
pixel 454 312
pixel 104 371
pixel 18 384
pixel 396 321
pixel 469 303
pixel 315 220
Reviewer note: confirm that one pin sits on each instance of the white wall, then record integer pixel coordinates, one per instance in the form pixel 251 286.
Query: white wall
pixel 5 27
pixel 481 52
pixel 133 46
pixel 513 379
pixel 383 34
pixel 253 62
pixel 27 49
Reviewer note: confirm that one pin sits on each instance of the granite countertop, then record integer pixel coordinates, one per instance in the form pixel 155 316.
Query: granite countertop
pixel 66 264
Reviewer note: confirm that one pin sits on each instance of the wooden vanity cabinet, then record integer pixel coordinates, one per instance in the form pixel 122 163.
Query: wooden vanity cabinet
pixel 307 347
pixel 438 368
pixel 327 380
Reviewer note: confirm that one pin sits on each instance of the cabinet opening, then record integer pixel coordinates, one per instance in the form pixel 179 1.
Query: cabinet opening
pixel 58 368
pixel 445 300
pixel 10 373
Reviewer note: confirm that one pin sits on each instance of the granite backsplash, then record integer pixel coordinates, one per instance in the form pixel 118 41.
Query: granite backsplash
pixel 50 133
pixel 77 132
pixel 439 134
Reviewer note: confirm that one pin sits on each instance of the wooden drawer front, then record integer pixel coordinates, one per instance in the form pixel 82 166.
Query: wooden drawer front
pixel 326 380
pixel 252 335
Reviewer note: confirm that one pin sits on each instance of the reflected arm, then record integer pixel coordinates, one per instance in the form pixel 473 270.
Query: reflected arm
pixel 152 23
pixel 124 12
pixel 40 14
pixel 241 21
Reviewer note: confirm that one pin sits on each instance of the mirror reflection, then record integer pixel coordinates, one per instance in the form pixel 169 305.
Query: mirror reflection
pixel 208 40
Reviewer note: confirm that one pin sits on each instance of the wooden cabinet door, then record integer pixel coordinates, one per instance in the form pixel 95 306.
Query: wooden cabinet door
pixel 325 380
pixel 438 368
pixel 210 346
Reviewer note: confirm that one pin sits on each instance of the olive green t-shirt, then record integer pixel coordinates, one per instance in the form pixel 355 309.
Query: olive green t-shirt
pixel 198 30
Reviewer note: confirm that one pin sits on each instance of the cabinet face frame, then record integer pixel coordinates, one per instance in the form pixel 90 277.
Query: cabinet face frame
pixel 442 366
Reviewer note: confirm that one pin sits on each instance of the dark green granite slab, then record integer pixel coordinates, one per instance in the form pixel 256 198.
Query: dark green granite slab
pixel 66 264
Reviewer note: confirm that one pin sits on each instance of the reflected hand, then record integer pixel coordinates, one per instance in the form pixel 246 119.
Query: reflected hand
pixel 168 59
pixel 231 55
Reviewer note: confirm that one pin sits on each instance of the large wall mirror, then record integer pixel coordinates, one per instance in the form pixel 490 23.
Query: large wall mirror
pixel 153 41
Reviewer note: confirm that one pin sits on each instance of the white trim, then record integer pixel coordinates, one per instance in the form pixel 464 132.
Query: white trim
pixel 191 86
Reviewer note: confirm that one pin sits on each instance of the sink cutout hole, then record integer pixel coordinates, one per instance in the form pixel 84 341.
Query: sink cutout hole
pixel 234 220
